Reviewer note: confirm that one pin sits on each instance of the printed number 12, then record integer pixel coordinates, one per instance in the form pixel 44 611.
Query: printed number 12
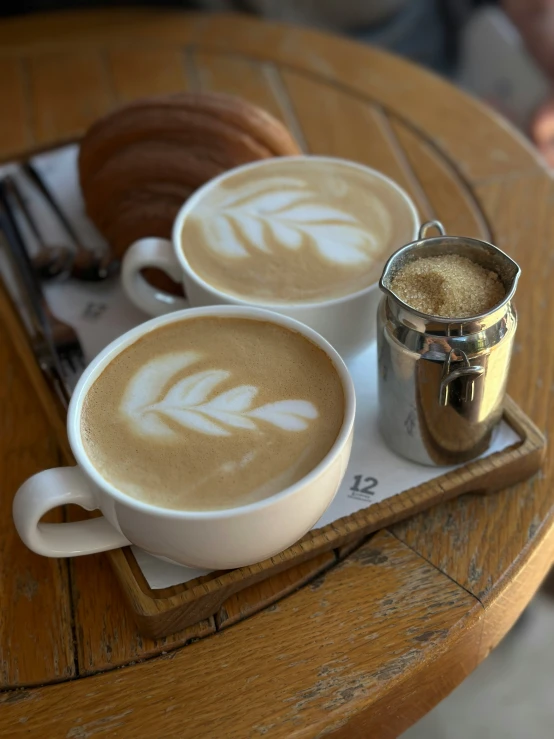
pixel 368 489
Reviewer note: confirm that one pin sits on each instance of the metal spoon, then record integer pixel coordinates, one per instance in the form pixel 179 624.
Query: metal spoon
pixel 90 265
pixel 52 260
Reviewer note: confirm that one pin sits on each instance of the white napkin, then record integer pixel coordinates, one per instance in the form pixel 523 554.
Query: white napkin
pixel 101 312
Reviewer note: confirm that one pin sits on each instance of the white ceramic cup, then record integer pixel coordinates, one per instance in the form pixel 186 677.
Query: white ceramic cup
pixel 216 539
pixel 347 322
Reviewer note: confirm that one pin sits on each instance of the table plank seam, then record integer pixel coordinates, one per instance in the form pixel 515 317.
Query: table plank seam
pixel 72 603
pixel 400 153
pixel 432 564
pixel 534 539
pixel 510 176
pixel 279 90
pixel 190 69
pixel 25 77
pixel 71 590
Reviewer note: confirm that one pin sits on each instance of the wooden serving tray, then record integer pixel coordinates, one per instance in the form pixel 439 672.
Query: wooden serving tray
pixel 233 594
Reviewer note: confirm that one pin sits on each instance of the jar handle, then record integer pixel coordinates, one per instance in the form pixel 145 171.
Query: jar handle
pixel 428 225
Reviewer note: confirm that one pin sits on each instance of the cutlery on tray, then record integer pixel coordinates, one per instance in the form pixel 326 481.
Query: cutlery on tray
pixel 91 265
pixel 51 260
pixel 55 343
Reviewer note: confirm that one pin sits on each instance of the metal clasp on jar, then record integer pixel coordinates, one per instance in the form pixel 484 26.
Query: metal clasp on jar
pixel 467 370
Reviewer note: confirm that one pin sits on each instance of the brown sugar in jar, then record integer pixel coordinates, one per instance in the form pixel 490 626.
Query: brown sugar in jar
pixel 448 286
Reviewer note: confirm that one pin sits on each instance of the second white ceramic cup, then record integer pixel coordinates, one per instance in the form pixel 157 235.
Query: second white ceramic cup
pixel 347 322
pixel 213 539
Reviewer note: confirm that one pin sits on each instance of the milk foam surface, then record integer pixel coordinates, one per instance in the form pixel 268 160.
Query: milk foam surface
pixel 212 413
pixel 300 230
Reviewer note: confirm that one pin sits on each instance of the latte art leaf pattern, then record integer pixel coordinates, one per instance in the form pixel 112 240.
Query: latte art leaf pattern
pixel 283 211
pixel 212 411
pixel 188 403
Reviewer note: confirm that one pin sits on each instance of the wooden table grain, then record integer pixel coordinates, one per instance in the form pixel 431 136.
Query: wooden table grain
pixel 374 643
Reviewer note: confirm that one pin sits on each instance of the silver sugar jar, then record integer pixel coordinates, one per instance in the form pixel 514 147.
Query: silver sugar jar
pixel 442 380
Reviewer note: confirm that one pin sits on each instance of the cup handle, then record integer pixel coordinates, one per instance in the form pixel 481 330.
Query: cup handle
pixel 151 252
pixel 53 488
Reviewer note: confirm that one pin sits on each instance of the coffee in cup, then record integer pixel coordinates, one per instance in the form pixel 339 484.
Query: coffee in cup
pixel 305 236
pixel 302 230
pixel 212 413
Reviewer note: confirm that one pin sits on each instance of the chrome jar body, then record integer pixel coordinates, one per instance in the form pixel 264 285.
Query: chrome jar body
pixel 442 381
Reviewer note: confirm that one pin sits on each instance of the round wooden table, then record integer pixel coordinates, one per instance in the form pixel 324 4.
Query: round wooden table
pixel 385 635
